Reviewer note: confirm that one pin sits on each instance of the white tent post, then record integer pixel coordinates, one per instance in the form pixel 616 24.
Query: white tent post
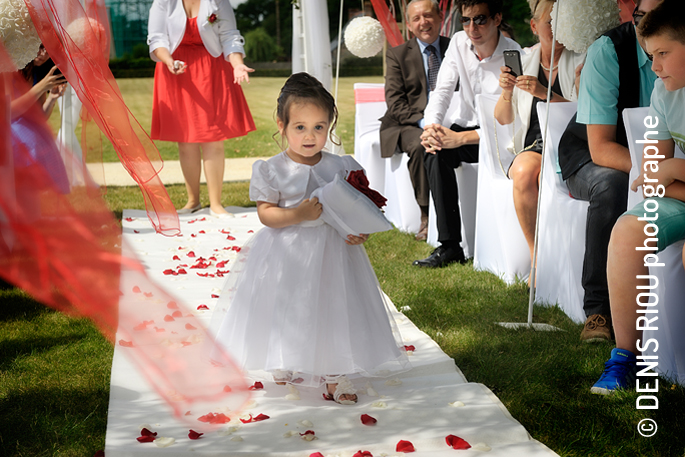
pixel 533 269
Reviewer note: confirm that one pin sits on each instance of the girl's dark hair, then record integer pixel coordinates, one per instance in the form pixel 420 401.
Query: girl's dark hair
pixel 304 88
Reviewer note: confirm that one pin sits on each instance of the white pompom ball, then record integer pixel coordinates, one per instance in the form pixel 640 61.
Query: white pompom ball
pixel 364 36
pixel 17 34
pixel 581 22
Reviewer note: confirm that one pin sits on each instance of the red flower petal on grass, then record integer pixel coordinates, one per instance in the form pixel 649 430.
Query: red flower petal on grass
pixel 410 348
pixel 168 318
pixel 203 307
pixel 193 435
pixel 404 446
pixel 126 344
pixel 172 305
pixel 257 386
pixel 136 290
pixel 177 313
pixel 368 420
pixel 362 454
pixel 191 254
pixel 456 443
pixel 190 327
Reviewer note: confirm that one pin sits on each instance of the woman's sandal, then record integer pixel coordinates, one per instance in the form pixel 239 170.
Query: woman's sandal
pixel 343 388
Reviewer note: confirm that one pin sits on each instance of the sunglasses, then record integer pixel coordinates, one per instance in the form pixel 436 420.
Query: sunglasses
pixel 637 16
pixel 481 19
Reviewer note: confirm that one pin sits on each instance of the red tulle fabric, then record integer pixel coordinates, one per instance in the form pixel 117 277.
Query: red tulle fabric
pixel 63 246
pixel 73 44
pixel 392 31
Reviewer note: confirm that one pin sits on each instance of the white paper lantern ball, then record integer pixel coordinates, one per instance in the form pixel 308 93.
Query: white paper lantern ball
pixel 364 36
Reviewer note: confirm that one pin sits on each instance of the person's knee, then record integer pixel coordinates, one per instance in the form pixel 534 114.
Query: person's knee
pixel 524 175
pixel 627 233
pixel 611 188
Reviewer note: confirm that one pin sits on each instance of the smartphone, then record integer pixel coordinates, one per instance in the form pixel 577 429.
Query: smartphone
pixel 512 59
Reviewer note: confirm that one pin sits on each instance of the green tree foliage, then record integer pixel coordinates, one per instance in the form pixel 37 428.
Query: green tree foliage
pixel 260 46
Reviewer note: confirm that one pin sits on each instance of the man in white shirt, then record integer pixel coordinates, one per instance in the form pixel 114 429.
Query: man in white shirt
pixel 473 60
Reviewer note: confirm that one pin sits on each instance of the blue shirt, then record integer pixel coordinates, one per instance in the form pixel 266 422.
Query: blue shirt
pixel 425 54
pixel 598 96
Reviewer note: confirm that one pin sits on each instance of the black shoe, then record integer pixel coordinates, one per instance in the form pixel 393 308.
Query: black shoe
pixel 441 257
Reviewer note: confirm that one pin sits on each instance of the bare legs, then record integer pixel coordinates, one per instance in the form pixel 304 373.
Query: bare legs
pixel 191 156
pixel 525 172
pixel 625 263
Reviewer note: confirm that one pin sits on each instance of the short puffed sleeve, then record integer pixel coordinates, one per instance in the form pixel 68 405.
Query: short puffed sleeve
pixel 264 184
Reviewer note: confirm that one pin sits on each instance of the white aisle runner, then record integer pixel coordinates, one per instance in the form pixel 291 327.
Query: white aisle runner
pixel 422 406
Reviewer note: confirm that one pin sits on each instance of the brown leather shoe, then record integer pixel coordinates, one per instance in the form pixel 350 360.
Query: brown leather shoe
pixel 597 328
pixel 422 234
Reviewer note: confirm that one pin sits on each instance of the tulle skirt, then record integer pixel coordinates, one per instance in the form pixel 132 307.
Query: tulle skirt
pixel 299 299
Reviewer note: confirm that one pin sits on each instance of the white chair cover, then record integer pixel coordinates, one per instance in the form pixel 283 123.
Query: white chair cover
pixel 370 107
pixel 561 236
pixel 500 246
pixel 70 112
pixel 467 183
pixel 671 288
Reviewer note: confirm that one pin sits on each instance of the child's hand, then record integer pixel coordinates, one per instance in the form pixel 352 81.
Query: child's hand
pixel 310 209
pixel 355 240
pixel 663 176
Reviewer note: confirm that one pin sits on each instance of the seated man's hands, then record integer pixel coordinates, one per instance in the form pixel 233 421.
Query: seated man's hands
pixel 435 137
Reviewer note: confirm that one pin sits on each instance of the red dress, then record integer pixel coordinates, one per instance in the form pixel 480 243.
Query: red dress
pixel 201 105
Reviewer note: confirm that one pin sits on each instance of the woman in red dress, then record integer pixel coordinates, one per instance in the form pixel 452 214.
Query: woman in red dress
pixel 198 101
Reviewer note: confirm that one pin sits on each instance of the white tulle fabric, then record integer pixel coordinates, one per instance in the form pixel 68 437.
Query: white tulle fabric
pixel 299 299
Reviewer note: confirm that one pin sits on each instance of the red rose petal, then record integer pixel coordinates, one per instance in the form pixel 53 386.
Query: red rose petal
pixel 148 294
pixel 212 418
pixel 257 386
pixel 203 307
pixel 308 432
pixel 191 254
pixel 193 235
pixel 225 232
pixel 246 421
pixel 168 318
pixel 230 238
pixel 129 219
pixel 187 413
pixel 410 348
pixel 190 327
pixel 181 271
pixel 172 305
pixel 145 439
pixel 169 272
pixel 228 389
pixel 201 231
pixel 362 454
pixel 176 258
pixel 215 296
pixel 177 313
pixel 368 420
pixel 404 446
pixel 316 454
pixel 263 417
pixel 250 231
pixel 456 443
pixel 136 231
pixel 193 435
pixel 126 344
pixel 221 264
pixel 146 432
pixel 136 289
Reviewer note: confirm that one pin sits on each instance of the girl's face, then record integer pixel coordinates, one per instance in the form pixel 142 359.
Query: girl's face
pixel 306 132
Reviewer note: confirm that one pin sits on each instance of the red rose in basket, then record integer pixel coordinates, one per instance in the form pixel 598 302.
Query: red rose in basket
pixel 358 180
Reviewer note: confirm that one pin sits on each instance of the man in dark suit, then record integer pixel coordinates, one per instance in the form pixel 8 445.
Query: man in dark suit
pixel 410 67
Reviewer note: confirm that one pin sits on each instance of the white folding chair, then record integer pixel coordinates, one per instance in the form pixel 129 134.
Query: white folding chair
pixel 500 246
pixel 561 236
pixel 671 288
pixel 467 185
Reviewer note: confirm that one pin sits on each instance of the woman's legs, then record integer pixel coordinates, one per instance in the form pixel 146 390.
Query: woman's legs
pixel 190 159
pixel 213 158
pixel 525 172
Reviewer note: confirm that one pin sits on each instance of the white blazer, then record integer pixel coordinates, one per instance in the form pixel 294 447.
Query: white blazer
pixel 167 24
pixel 523 101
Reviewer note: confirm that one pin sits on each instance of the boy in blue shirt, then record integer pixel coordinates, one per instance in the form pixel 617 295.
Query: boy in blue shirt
pixel 662 214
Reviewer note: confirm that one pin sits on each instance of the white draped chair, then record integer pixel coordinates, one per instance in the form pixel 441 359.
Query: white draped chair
pixel 671 288
pixel 500 246
pixel 370 106
pixel 561 237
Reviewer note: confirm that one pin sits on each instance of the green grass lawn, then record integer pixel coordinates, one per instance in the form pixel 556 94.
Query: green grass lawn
pixel 261 95
pixel 54 370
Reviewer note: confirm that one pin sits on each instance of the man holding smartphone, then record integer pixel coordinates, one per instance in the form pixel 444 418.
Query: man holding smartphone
pixel 473 60
pixel 412 69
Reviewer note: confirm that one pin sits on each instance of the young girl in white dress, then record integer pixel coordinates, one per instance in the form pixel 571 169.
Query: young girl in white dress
pixel 302 303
